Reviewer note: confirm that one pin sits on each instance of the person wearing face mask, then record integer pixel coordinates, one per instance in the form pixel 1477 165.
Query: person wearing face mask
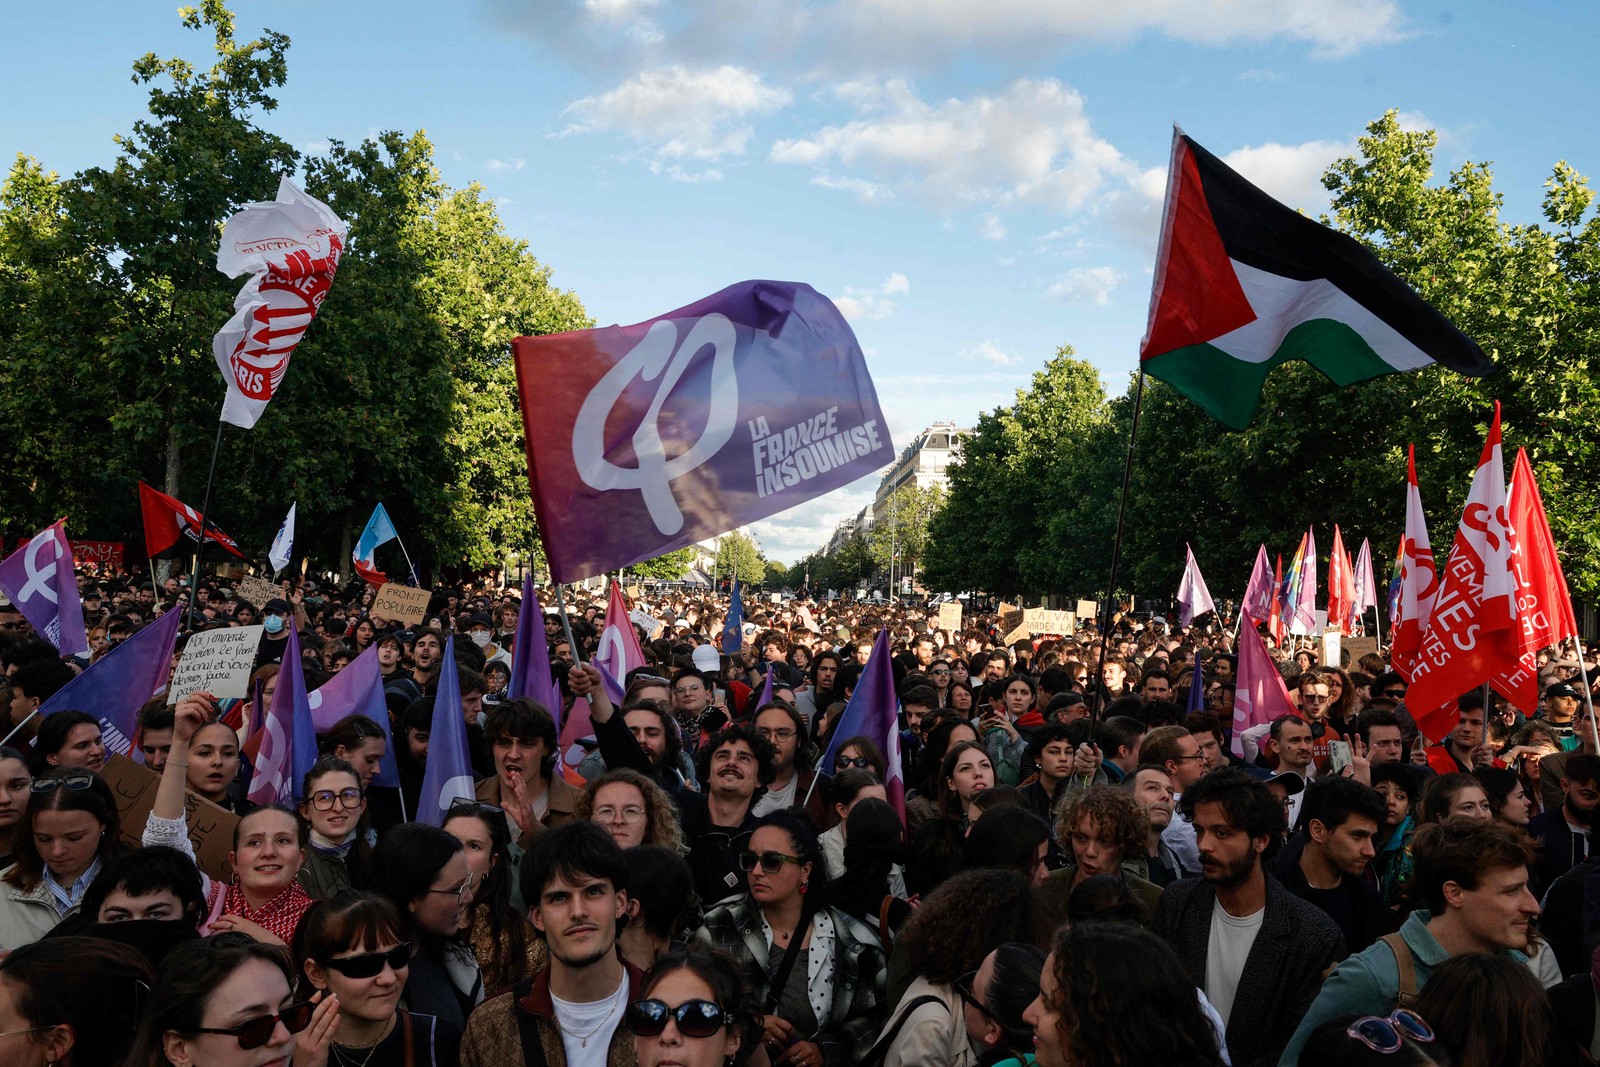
pixel 150 900
pixel 276 618
pixel 481 632
pixel 352 952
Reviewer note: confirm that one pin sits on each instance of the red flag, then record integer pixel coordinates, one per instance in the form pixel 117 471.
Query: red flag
pixel 1341 584
pixel 172 527
pixel 1419 580
pixel 1474 635
pixel 1275 618
pixel 1544 606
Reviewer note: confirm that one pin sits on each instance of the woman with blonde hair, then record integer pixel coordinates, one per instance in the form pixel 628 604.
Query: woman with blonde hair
pixel 632 808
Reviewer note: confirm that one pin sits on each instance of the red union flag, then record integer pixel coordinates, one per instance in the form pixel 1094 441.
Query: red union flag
pixel 1474 634
pixel 1544 606
pixel 290 247
pixel 1419 580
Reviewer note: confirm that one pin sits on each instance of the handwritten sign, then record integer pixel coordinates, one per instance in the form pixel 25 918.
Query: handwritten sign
pixel 1036 621
pixel 950 616
pixel 1010 619
pixel 218 662
pixel 1088 609
pixel 646 622
pixel 210 826
pixel 1359 646
pixel 258 591
pixel 402 602
pixel 1005 609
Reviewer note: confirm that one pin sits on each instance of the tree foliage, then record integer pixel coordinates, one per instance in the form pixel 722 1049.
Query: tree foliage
pixel 669 567
pixel 900 537
pixel 739 556
pixel 401 392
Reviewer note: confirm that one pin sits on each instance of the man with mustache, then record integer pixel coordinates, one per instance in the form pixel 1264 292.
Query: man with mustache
pixel 575 879
pixel 736 764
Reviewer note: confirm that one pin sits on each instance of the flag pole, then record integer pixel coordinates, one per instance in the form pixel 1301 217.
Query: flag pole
pixel 205 520
pixel 1116 555
pixel 566 627
pixel 1588 697
pixel 31 716
pixel 407 555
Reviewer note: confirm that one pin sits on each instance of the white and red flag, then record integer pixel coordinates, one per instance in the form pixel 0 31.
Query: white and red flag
pixel 1474 636
pixel 1419 580
pixel 1366 585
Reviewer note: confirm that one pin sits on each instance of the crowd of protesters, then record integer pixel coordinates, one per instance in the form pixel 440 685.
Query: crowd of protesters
pixel 1090 867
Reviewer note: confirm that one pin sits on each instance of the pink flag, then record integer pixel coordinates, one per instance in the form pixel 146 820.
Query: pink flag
pixel 1259 695
pixel 40 580
pixel 1259 593
pixel 1303 607
pixel 619 653
pixel 1366 586
pixel 1419 579
pixel 1193 597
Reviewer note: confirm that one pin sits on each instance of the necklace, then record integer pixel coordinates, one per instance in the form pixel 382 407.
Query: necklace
pixel 616 999
pixel 344 1057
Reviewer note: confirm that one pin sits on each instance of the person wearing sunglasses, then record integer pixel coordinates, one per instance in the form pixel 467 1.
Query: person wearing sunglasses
pixel 993 999
pixel 332 802
pixel 497 928
pixel 68 831
pixel 818 972
pixel 351 951
pixel 223 1001
pixel 693 1012
pixel 859 753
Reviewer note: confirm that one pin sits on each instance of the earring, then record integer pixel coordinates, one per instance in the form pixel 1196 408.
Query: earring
pixel 804 886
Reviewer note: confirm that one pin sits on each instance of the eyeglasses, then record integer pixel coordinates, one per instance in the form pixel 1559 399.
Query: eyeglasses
pixel 695 1018
pixel 77 781
pixel 468 806
pixel 460 892
pixel 323 799
pixel 253 1033
pixel 843 762
pixel 780 734
pixel 370 964
pixel 1387 1033
pixel 609 813
pixel 771 862
pixel 942 670
pixel 963 986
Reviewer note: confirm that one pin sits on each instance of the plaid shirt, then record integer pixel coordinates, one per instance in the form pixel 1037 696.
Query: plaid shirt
pixel 857 1011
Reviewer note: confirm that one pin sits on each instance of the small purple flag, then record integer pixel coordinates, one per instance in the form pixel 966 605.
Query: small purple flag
pixel 1259 593
pixel 289 740
pixel 646 438
pixel 448 776
pixel 1193 597
pixel 765 696
pixel 1197 690
pixel 358 690
pixel 530 658
pixel 39 579
pixel 116 686
pixel 873 710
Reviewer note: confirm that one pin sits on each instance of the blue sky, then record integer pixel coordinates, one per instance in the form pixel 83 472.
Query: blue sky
pixel 974 181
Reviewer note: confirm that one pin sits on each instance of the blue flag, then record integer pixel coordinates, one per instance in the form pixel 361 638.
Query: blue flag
pixel 116 686
pixel 1197 689
pixel 358 690
pixel 530 658
pixel 733 629
pixel 448 776
pixel 379 530
pixel 873 711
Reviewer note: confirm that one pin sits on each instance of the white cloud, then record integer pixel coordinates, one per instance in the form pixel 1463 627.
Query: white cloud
pixel 860 305
pixel 992 228
pixel 681 112
pixel 991 352
pixel 314 148
pixel 499 166
pixel 678 173
pixel 1086 286
pixel 1031 142
pixel 1291 174
pixel 863 190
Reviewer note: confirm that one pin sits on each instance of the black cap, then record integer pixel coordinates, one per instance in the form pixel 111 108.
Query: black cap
pixel 276 606
pixel 480 619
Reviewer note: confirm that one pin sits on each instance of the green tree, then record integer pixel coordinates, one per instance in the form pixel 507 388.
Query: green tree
pixel 776 575
pixel 670 566
pixel 900 535
pixel 739 556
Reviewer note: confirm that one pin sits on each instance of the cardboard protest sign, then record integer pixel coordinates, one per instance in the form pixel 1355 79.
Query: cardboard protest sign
pixel 950 616
pixel 257 590
pixel 1033 622
pixel 404 603
pixel 218 662
pixel 1005 609
pixel 1330 647
pixel 632 592
pixel 1010 619
pixel 1088 609
pixel 210 826
pixel 646 622
pixel 1358 647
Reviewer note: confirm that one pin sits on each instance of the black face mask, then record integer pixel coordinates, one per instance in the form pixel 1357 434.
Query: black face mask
pixel 151 938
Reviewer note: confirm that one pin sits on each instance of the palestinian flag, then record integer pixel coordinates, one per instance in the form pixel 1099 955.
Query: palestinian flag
pixel 1243 283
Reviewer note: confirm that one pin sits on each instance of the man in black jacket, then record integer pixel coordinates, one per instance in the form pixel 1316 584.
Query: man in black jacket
pixel 1257 950
pixel 1325 862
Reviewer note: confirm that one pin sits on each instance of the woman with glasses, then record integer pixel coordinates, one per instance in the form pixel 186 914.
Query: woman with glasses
pixel 993 999
pixel 817 972
pixel 224 1001
pixel 693 1013
pixel 1113 994
pixel 632 808
pixel 70 1001
pixel 424 873
pixel 943 944
pixel 859 753
pixel 264 899
pixel 68 831
pixel 351 951
pixel 332 803
pixel 507 948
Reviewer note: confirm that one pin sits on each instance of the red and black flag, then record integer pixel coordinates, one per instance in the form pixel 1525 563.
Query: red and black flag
pixel 172 528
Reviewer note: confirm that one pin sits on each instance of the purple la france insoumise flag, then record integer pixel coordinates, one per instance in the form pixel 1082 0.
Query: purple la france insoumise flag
pixel 289 743
pixel 448 775
pixel 646 438
pixel 39 579
pixel 114 687
pixel 873 710
pixel 358 690
pixel 530 657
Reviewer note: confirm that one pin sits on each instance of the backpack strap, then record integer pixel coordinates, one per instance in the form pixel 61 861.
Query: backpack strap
pixel 1407 992
pixel 880 1048
pixel 527 1028
pixel 403 1020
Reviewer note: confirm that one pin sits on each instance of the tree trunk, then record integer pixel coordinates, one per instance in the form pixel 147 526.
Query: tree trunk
pixel 346 546
pixel 174 461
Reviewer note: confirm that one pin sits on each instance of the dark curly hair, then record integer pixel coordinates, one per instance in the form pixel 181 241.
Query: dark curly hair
pixel 1117 818
pixel 766 755
pixel 1123 998
pixel 965 919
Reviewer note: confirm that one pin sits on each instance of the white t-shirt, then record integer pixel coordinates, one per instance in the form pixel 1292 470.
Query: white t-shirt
pixel 586 1026
pixel 776 799
pixel 1226 950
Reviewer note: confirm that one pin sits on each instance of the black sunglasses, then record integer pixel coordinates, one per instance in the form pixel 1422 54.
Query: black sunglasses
pixel 963 987
pixel 771 862
pixel 76 781
pixel 370 965
pixel 253 1033
pixel 695 1018
pixel 841 762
